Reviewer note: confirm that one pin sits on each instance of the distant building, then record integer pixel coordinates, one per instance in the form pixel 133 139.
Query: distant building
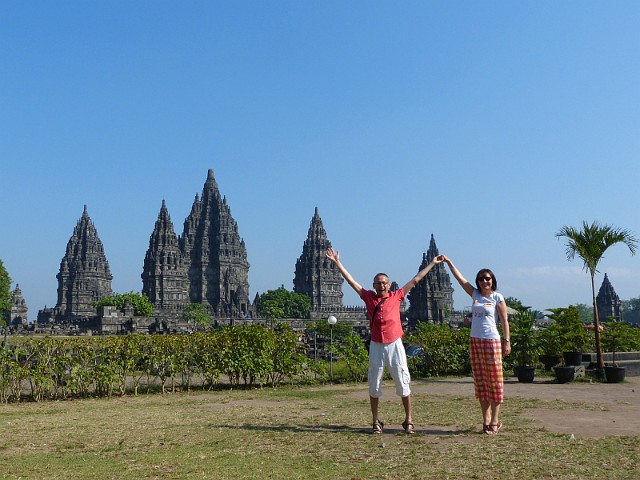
pixel 432 299
pixel 608 302
pixel 18 315
pixel 84 275
pixel 315 276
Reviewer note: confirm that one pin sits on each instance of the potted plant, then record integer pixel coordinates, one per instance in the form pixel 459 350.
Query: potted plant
pixel 525 345
pixel 574 339
pixel 551 346
pixel 616 337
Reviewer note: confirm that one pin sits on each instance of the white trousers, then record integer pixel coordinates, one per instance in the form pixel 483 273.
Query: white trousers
pixel 393 356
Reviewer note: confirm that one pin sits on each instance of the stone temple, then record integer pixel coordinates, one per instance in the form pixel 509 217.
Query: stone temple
pixel 207 264
pixel 432 299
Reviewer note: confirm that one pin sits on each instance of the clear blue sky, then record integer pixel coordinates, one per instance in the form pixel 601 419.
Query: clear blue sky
pixel 488 124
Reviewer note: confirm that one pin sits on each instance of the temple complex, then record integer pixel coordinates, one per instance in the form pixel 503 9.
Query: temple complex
pixel 207 264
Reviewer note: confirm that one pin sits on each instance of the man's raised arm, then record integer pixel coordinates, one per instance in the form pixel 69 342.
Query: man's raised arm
pixel 422 273
pixel 334 256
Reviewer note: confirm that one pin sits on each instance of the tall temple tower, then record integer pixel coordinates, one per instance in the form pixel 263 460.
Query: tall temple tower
pixel 430 300
pixel 315 275
pixel 215 255
pixel 608 302
pixel 84 275
pixel 164 275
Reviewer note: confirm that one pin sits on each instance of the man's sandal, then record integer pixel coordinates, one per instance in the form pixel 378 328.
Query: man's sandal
pixel 377 427
pixel 409 427
pixel 487 430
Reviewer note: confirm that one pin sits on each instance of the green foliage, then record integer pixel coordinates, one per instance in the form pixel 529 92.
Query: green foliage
pixel 446 350
pixel 526 343
pixel 631 310
pixel 569 330
pixel 586 312
pixel 5 293
pixel 282 303
pixel 140 302
pixel 353 352
pixel 197 313
pixel 516 304
pixel 341 330
pixel 620 337
pixel 590 243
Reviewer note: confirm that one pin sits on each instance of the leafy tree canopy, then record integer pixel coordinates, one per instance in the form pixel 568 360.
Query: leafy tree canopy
pixel 140 302
pixel 516 304
pixel 631 309
pixel 282 303
pixel 321 327
pixel 5 292
pixel 197 313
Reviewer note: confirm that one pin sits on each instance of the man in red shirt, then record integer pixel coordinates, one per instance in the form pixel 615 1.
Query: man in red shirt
pixel 383 309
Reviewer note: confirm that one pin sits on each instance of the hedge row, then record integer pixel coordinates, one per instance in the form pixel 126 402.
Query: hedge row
pixel 62 368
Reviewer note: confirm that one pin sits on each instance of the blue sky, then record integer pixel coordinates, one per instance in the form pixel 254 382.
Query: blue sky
pixel 487 124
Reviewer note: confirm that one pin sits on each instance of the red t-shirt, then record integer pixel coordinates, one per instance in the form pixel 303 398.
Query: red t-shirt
pixel 387 326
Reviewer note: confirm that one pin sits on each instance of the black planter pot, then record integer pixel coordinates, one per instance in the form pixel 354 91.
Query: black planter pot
pixel 572 358
pixel 614 374
pixel 525 373
pixel 550 361
pixel 565 374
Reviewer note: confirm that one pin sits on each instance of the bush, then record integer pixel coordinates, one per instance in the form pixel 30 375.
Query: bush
pixel 446 351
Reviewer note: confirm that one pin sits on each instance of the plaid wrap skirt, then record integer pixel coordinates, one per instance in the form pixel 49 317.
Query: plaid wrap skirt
pixel 486 363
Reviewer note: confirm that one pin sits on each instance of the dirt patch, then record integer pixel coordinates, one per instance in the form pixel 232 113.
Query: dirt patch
pixel 604 409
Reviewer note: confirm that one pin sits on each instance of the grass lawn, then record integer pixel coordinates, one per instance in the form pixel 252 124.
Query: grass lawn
pixel 291 433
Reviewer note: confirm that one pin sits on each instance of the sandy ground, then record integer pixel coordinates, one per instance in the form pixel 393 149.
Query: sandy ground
pixel 616 412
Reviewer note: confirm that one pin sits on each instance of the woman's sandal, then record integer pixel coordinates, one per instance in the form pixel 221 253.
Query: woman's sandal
pixel 409 427
pixel 377 427
pixel 491 429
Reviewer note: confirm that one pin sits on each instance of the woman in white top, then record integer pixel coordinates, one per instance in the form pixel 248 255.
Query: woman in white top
pixel 485 346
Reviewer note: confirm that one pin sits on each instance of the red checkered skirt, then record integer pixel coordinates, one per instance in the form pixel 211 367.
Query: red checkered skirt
pixel 486 363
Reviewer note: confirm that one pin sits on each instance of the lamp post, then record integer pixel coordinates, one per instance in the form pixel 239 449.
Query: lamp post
pixel 331 321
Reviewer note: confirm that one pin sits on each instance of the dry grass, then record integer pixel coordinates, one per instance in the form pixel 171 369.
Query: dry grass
pixel 292 433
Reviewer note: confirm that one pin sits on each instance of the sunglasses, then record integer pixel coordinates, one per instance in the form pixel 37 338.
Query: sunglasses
pixel 484 279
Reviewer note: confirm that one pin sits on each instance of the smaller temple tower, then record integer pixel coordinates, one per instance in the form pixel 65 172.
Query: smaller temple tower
pixel 432 299
pixel 19 310
pixel 315 276
pixel 608 302
pixel 164 275
pixel 84 276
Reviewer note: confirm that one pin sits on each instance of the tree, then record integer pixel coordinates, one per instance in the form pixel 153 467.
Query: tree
pixel 140 302
pixel 589 243
pixel 282 303
pixel 513 302
pixel 586 312
pixel 197 313
pixel 5 293
pixel 631 309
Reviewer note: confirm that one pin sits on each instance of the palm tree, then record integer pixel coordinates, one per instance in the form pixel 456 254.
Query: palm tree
pixel 589 244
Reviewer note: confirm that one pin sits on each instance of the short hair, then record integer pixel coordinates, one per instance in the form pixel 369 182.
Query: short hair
pixel 494 282
pixel 381 275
